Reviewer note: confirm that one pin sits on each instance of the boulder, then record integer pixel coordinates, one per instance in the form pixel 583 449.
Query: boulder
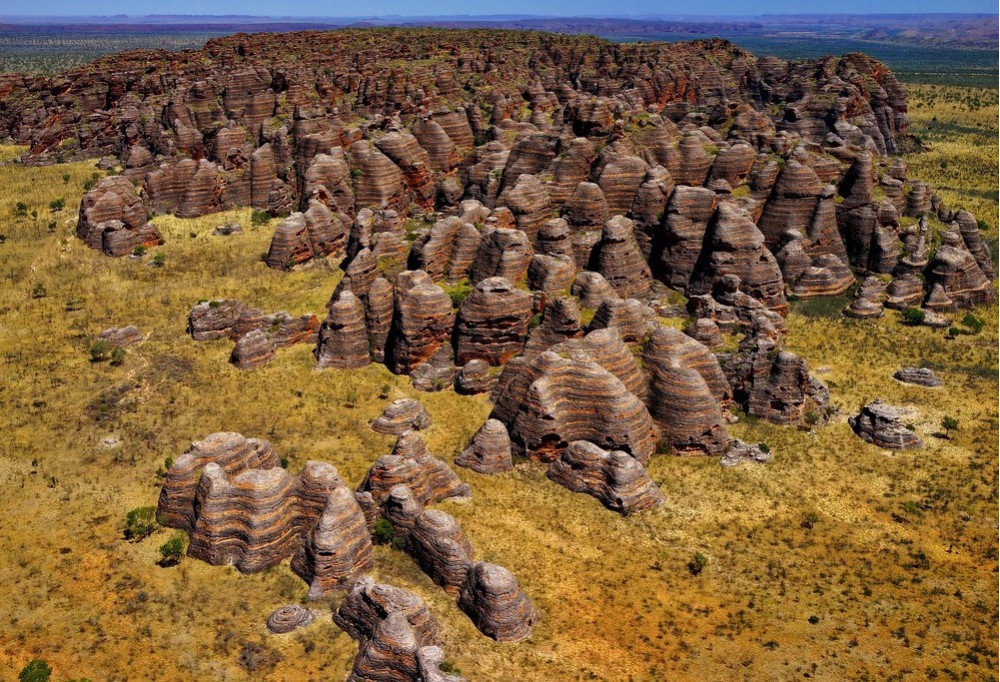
pixel 285 619
pixel 919 376
pixel 881 425
pixel 119 337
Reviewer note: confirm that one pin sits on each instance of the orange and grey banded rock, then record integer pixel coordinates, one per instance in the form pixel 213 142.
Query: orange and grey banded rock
pixel 775 384
pixel 881 425
pixel 422 321
pixel 629 317
pixel 919 376
pixel 684 408
pixel 231 451
pixel 677 247
pixel 827 276
pixel 504 252
pixel 390 654
pixel 441 549
pixel 210 320
pixel 368 603
pixel 620 180
pixel 343 336
pixel 285 619
pixel 400 416
pixel 867 301
pixel 430 660
pixel 592 289
pixel 410 464
pixel 618 480
pixel 114 219
pixel 586 208
pixel 706 332
pixel 617 257
pixel 379 182
pixel 792 202
pixel 958 273
pixel 551 274
pixel 257 518
pixel 475 377
pixel 734 246
pixel 969 229
pixel 904 291
pixel 337 551
pixel 121 336
pixel 496 604
pixel 433 252
pixel 666 343
pixel 403 149
pixel 554 400
pixel 529 201
pixel 492 323
pixel 252 350
pixel 489 450
pixel 560 322
pixel 379 305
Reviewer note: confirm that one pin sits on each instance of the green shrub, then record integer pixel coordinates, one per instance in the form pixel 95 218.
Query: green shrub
pixel 39 291
pixel 949 424
pixel 117 357
pixel 976 324
pixel 698 563
pixel 20 210
pixel 36 671
pixel 159 259
pixel 258 218
pixel 809 519
pixel 140 523
pixel 57 204
pixel 459 292
pixel 384 533
pixel 140 250
pixel 172 550
pixel 913 316
pixel 100 350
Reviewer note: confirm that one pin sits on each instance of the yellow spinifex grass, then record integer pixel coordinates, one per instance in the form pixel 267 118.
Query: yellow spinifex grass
pixel 895 574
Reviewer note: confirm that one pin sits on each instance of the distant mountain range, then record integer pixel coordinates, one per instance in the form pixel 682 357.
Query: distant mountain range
pixel 956 30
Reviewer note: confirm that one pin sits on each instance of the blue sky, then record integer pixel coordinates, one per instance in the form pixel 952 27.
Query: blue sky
pixel 596 8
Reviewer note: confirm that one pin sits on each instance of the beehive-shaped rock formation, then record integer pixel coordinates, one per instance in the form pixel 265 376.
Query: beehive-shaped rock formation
pixel 617 479
pixel 343 337
pixel 494 601
pixel 492 323
pixel 410 464
pixel 489 450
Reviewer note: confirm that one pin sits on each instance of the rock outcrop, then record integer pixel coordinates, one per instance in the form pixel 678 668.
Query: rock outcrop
pixel 881 425
pixel 919 376
pixel 400 416
pixel 489 450
pixel 410 464
pixel 494 601
pixel 617 479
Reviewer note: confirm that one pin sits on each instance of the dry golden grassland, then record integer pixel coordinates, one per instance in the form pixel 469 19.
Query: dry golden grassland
pixel 836 559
